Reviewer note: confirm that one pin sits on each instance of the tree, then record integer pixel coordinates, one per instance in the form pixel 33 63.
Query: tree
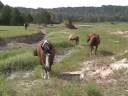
pixel 42 17
pixel 5 15
pixel 69 24
pixel 16 17
pixel 1 5
pixel 29 18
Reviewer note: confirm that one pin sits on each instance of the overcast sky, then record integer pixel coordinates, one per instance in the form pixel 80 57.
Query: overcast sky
pixel 62 3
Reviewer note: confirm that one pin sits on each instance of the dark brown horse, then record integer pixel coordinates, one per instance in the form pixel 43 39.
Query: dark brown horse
pixel 26 26
pixel 94 41
pixel 74 38
pixel 46 53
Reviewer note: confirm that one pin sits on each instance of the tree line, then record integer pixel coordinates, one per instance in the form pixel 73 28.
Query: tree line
pixel 12 16
pixel 20 15
pixel 107 13
pixel 94 14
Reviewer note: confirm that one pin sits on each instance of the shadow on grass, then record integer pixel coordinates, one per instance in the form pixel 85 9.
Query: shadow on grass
pixel 105 53
pixel 2 42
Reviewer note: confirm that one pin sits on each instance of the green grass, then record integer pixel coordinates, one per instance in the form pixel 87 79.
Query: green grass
pixel 23 61
pixel 13 31
pixel 3 87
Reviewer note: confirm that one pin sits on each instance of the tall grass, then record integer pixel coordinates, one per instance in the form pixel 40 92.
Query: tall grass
pixel 3 87
pixel 17 61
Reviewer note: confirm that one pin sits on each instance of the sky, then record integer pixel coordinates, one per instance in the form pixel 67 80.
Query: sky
pixel 62 3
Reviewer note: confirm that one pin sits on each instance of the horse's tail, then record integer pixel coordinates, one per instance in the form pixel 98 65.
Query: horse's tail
pixel 35 52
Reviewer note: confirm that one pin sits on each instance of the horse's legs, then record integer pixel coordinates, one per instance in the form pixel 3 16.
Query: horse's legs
pixel 91 47
pixel 96 49
pixel 46 73
pixel 77 41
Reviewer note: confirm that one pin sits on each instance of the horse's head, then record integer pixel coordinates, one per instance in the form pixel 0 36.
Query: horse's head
pixel 46 47
pixel 88 38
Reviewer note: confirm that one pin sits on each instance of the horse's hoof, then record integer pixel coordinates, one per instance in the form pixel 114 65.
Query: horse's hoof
pixel 43 76
pixel 48 78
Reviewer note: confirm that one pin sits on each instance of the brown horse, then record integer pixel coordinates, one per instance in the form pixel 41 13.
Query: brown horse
pixel 94 41
pixel 74 38
pixel 46 53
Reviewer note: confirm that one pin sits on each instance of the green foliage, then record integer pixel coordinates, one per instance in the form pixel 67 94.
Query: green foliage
pixel 16 17
pixel 1 5
pixel 42 17
pixel 94 14
pixel 5 15
pixel 29 18
pixel 11 16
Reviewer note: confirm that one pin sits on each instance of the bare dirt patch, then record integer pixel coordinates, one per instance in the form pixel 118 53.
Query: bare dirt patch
pixel 103 73
pixel 100 69
pixel 122 33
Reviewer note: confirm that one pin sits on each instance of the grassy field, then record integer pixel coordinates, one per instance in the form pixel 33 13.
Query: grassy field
pixel 20 60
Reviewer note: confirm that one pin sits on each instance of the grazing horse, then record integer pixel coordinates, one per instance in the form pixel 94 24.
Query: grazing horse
pixel 46 53
pixel 74 38
pixel 94 41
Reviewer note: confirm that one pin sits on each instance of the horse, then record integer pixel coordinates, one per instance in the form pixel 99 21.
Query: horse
pixel 26 26
pixel 74 38
pixel 46 54
pixel 94 41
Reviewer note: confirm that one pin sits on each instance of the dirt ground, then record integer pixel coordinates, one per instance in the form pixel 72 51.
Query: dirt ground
pixel 121 33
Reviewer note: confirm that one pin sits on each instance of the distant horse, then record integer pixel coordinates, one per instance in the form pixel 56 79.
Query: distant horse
pixel 26 26
pixel 46 53
pixel 74 38
pixel 94 41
